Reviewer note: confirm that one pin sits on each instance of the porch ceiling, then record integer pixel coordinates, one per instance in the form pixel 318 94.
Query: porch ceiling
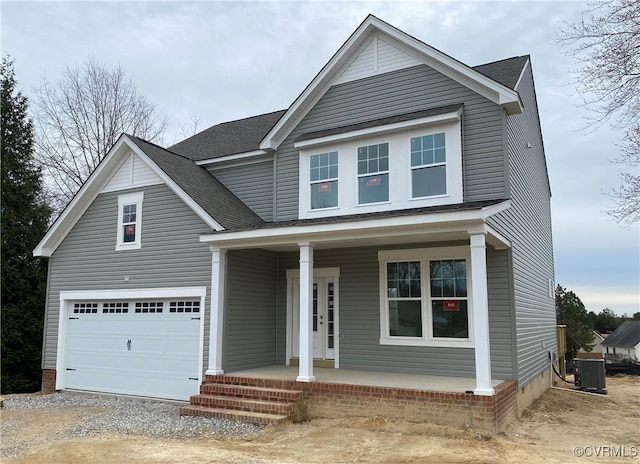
pixel 370 378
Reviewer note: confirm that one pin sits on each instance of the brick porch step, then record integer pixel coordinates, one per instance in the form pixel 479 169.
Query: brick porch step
pixel 248 391
pixel 244 404
pixel 227 397
pixel 244 416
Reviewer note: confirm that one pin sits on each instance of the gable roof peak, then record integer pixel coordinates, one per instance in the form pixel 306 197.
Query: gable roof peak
pixel 425 54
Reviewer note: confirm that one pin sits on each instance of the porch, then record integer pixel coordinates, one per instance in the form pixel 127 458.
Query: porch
pixel 273 395
pixel 436 383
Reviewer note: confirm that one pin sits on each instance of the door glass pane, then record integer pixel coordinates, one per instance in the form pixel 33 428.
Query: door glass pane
pixel 330 313
pixel 315 307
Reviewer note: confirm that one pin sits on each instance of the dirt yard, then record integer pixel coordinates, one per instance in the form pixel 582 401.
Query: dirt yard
pixel 562 426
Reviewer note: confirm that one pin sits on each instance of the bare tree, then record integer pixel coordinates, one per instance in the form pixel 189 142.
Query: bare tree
pixel 80 117
pixel 605 44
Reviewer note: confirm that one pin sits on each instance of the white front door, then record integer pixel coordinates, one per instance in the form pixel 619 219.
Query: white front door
pixel 324 317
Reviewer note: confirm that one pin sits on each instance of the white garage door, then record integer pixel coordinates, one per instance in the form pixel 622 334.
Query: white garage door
pixel 141 347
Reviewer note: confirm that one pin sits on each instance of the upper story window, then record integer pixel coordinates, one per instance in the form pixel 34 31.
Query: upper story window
pixel 323 176
pixel 373 173
pixel 428 165
pixel 129 221
pixel 411 164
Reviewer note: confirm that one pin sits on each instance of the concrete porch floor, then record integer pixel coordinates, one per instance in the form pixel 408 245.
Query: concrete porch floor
pixel 370 378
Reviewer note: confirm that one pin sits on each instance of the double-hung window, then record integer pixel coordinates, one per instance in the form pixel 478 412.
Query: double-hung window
pixel 129 221
pixel 373 174
pixel 323 176
pixel 424 297
pixel 428 165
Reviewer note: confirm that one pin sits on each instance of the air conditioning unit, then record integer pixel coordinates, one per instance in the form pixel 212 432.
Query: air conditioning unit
pixel 589 375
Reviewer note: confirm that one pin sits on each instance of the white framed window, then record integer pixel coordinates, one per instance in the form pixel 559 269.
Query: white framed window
pixel 373 173
pixel 413 164
pixel 428 165
pixel 129 234
pixel 323 176
pixel 425 297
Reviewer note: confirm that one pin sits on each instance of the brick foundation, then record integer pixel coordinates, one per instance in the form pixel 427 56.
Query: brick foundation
pixel 48 381
pixel 321 399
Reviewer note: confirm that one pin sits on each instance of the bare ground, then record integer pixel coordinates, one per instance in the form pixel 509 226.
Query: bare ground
pixel 604 428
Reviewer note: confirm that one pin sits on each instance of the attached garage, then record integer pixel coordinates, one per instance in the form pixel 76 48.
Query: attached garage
pixel 145 342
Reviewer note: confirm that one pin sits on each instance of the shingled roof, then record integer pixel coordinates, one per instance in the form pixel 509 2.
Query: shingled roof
pixel 245 135
pixel 207 191
pixel 627 335
pixel 228 138
pixel 506 72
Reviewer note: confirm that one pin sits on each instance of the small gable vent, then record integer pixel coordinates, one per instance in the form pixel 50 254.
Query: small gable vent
pixel 377 57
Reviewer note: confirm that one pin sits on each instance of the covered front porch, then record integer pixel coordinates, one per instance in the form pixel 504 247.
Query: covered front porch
pixel 332 301
pixel 273 395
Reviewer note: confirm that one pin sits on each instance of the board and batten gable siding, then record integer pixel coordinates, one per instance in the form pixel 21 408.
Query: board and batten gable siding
pixel 359 318
pixel 171 255
pixel 250 317
pixel 398 92
pixel 252 183
pixel 528 225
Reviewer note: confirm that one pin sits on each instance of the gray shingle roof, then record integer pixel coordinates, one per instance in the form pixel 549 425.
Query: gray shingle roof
pixel 207 191
pixel 472 205
pixel 380 122
pixel 507 72
pixel 627 335
pixel 228 138
pixel 245 135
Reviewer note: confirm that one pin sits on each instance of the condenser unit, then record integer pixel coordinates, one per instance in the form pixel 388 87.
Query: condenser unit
pixel 589 375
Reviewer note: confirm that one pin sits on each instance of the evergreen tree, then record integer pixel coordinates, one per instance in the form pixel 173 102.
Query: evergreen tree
pixel 571 312
pixel 24 221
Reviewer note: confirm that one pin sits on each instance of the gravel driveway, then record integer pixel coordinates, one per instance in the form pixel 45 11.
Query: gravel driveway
pixel 92 415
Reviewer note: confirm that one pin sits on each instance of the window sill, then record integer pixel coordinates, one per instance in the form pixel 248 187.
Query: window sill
pixel 364 205
pixel 128 246
pixel 443 343
pixel 331 208
pixel 433 197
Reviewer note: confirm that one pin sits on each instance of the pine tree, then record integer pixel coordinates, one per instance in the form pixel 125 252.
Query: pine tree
pixel 571 312
pixel 24 221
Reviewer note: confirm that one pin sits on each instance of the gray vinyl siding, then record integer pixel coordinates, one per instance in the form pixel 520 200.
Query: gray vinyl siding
pixel 528 225
pixel 359 319
pixel 252 183
pixel 398 92
pixel 250 328
pixel 171 255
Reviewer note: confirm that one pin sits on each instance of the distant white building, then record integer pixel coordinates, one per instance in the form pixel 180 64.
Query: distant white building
pixel 623 343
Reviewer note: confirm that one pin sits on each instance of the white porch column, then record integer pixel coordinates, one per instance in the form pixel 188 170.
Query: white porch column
pixel 216 315
pixel 305 371
pixel 480 299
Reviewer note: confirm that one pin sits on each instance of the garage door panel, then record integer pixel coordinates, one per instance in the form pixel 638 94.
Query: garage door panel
pixel 153 353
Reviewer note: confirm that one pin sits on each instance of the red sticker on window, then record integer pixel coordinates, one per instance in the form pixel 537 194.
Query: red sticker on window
pixel 452 305
pixel 373 182
pixel 325 187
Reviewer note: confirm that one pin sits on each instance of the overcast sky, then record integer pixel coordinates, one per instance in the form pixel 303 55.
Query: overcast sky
pixel 228 60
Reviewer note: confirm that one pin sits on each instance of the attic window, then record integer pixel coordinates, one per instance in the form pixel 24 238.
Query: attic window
pixel 129 222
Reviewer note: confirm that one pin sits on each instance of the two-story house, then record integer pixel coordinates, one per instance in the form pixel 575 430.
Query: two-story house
pixel 385 242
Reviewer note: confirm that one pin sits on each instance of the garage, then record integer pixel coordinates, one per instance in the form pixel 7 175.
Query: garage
pixel 140 346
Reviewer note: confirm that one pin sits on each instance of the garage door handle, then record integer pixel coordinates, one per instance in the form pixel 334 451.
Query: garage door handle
pixel 129 345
